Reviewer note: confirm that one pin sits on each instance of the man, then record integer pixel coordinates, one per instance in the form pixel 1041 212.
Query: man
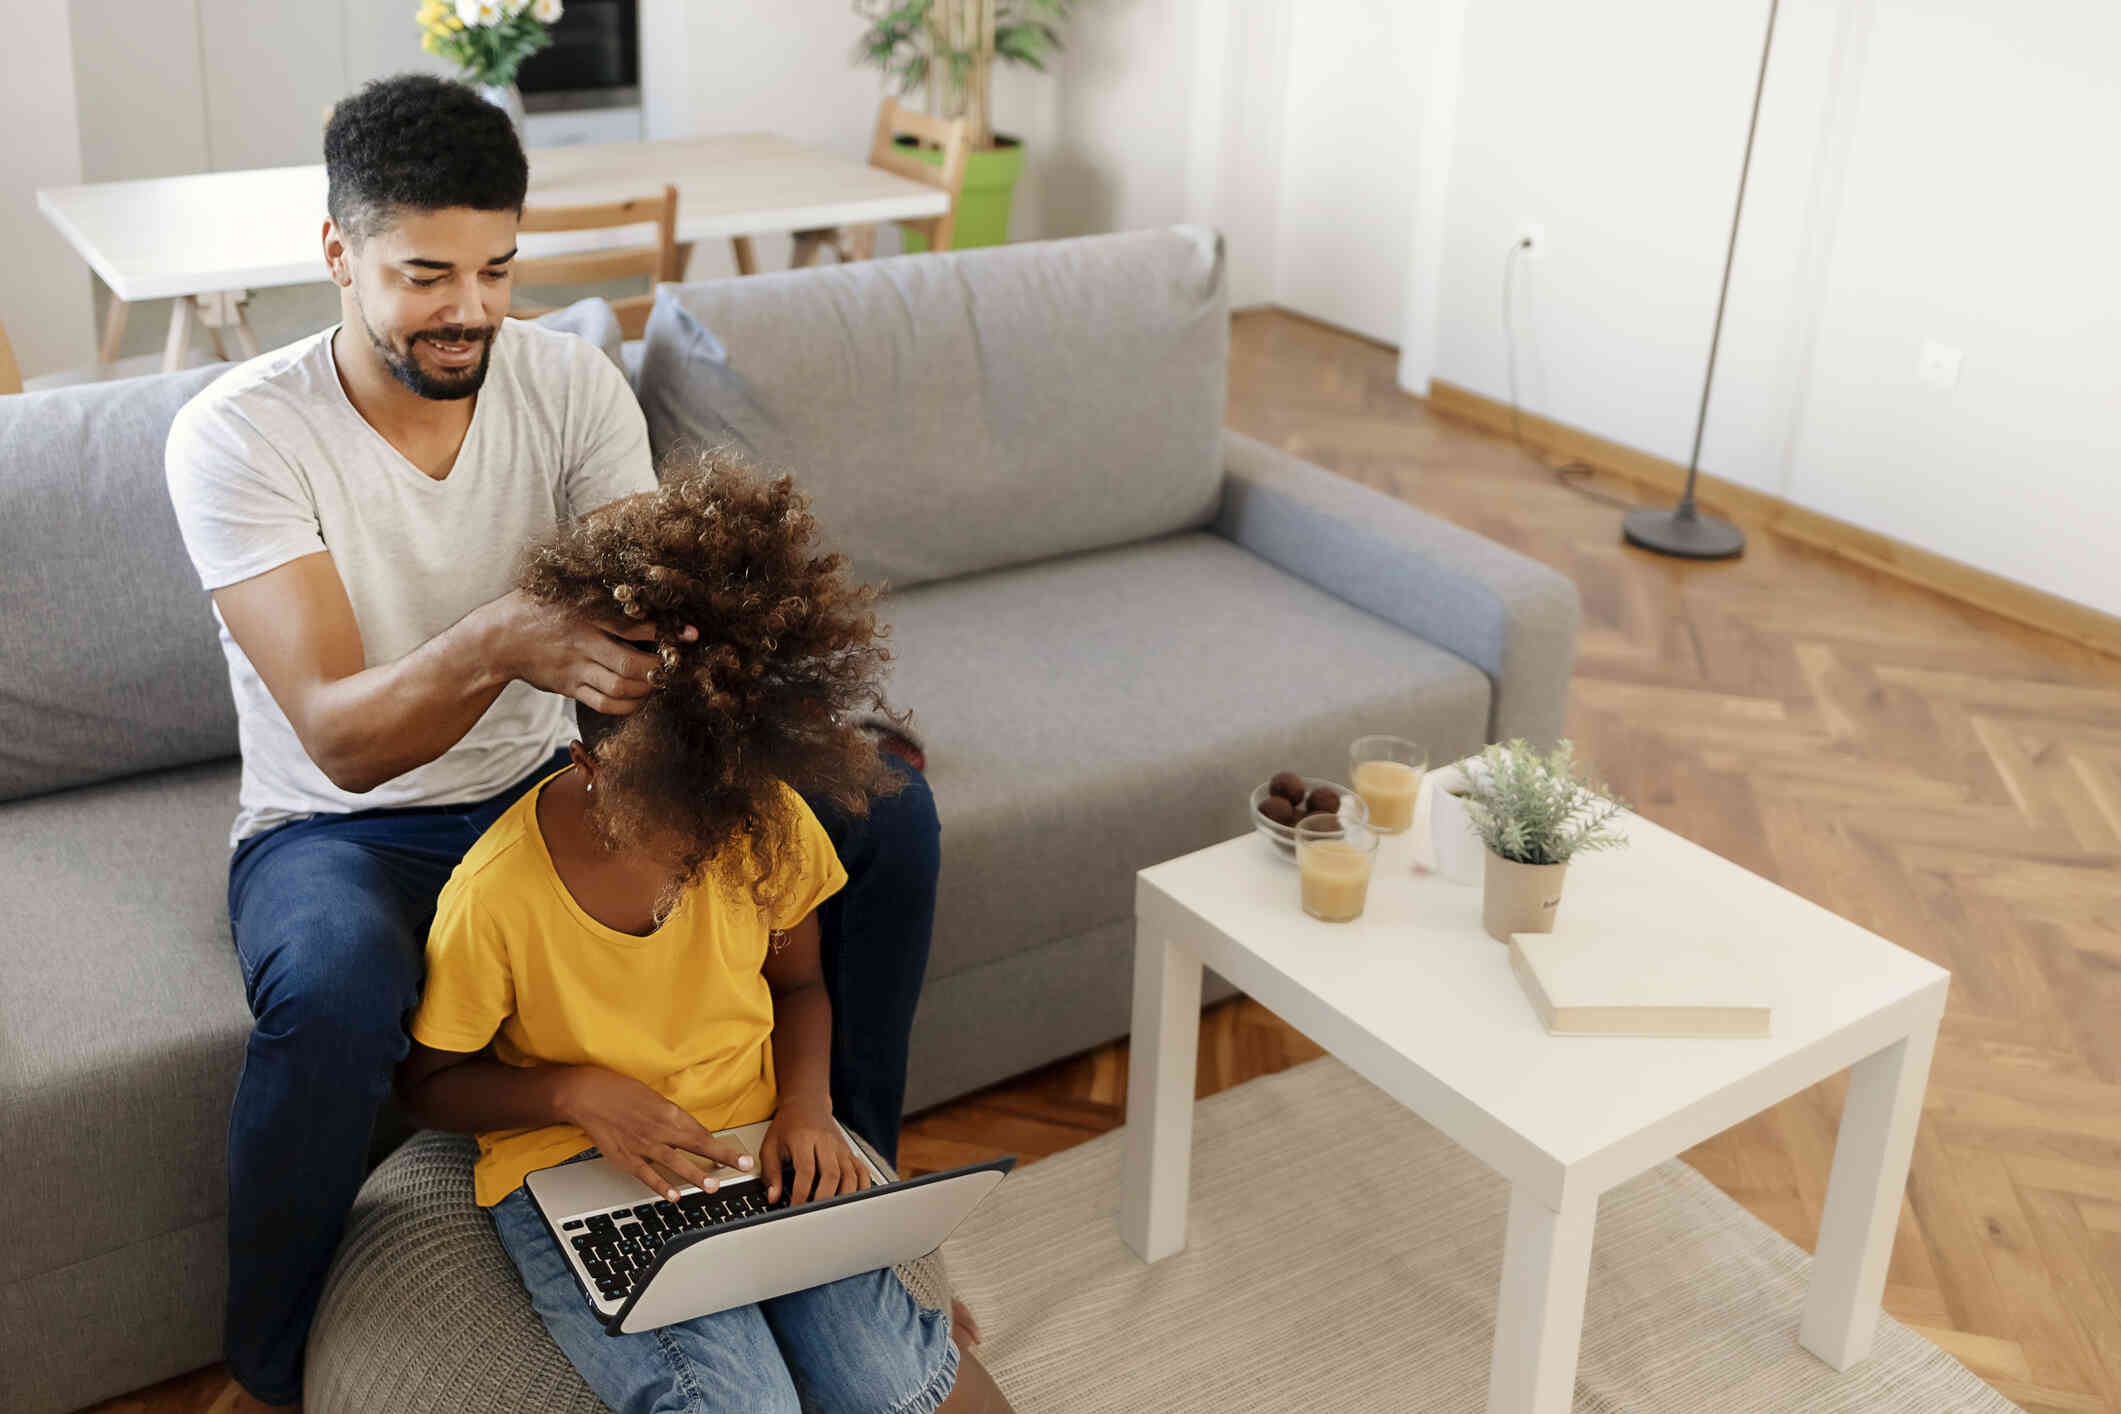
pixel 354 502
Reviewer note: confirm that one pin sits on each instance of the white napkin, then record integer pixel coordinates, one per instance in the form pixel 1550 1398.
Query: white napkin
pixel 1421 834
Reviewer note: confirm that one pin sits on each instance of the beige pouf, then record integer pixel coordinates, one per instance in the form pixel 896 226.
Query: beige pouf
pixel 423 1313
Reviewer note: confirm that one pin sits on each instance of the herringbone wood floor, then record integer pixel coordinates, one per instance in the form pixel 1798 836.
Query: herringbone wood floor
pixel 1944 777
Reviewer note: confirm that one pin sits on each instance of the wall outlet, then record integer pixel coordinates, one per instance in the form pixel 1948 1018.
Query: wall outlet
pixel 1938 365
pixel 1532 235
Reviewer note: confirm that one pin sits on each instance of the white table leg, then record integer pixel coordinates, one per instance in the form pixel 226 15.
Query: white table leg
pixel 1871 1157
pixel 1160 1078
pixel 113 331
pixel 182 314
pixel 1546 1269
pixel 238 321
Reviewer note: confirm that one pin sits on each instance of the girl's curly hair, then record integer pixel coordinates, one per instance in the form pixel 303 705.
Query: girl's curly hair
pixel 789 653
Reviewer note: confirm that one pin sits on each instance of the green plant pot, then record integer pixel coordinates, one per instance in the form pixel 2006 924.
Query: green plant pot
pixel 983 207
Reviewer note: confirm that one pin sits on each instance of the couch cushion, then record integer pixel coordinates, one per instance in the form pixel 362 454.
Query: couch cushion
pixel 122 1019
pixel 113 661
pixel 1090 716
pixel 954 413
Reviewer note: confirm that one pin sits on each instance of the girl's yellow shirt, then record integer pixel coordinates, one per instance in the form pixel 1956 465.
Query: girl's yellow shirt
pixel 513 960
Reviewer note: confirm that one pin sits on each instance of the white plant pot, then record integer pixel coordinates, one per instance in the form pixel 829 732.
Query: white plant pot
pixel 1460 855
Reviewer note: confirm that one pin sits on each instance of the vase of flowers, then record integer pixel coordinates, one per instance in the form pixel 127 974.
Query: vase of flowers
pixel 488 40
pixel 1534 815
pixel 946 50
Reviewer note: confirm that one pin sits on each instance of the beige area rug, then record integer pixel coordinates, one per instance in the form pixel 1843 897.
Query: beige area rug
pixel 1343 1255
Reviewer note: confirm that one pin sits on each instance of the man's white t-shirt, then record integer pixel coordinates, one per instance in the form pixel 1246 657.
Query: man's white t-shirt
pixel 271 462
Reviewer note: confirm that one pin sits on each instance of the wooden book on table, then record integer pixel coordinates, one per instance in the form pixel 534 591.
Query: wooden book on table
pixel 1623 977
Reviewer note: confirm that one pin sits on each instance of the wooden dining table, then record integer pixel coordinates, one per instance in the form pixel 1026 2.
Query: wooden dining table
pixel 206 240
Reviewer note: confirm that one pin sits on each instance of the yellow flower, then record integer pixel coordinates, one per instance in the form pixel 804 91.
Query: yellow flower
pixel 455 23
pixel 427 42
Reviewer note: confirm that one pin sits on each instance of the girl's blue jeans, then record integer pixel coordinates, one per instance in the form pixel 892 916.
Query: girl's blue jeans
pixel 861 1345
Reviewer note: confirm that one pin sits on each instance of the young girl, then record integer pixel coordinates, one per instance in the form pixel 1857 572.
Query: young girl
pixel 628 959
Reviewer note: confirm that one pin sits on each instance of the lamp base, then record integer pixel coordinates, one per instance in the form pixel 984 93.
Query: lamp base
pixel 1684 532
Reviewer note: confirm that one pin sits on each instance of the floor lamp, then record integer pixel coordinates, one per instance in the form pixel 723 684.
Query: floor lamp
pixel 1684 530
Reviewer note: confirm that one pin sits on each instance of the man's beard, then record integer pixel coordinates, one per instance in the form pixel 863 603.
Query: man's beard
pixel 443 386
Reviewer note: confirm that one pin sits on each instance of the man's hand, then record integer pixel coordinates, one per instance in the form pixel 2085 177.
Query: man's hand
pixel 804 1135
pixel 638 1129
pixel 587 659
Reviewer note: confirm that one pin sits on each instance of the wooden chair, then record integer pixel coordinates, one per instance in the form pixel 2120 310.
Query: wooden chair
pixel 660 261
pixel 953 136
pixel 10 371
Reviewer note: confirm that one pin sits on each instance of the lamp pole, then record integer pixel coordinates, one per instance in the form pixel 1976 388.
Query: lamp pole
pixel 1684 530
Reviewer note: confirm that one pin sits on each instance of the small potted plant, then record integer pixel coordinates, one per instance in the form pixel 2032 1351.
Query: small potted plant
pixel 947 49
pixel 488 40
pixel 1534 815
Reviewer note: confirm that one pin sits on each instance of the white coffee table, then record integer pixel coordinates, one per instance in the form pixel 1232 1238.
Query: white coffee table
pixel 1420 1001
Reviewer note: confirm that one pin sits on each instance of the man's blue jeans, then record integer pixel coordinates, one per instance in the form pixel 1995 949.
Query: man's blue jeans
pixel 330 916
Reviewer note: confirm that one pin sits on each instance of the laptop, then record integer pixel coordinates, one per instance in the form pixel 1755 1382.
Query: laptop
pixel 642 1261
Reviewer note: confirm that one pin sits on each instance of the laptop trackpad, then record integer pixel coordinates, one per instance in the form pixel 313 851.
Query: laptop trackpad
pixel 720 1173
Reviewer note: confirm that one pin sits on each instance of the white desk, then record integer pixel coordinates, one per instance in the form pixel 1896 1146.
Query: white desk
pixel 1419 1000
pixel 205 239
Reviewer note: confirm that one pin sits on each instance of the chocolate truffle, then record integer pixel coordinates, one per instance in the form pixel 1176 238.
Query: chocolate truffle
pixel 1323 800
pixel 1331 822
pixel 1278 810
pixel 1289 786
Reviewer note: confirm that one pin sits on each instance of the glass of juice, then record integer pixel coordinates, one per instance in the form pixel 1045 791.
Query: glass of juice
pixel 1334 861
pixel 1386 772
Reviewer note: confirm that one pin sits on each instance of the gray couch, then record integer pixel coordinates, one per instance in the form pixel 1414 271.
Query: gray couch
pixel 1111 619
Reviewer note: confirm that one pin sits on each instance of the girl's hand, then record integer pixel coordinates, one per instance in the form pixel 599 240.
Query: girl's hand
pixel 638 1129
pixel 803 1136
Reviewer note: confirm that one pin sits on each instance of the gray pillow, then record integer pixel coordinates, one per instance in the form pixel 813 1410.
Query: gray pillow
pixel 110 660
pixel 692 398
pixel 595 321
pixel 955 413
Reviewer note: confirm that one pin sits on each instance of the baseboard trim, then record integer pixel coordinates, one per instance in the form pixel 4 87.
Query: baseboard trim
pixel 1953 578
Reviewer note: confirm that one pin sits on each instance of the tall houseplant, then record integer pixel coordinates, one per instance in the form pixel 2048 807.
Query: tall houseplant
pixel 1534 814
pixel 488 40
pixel 946 50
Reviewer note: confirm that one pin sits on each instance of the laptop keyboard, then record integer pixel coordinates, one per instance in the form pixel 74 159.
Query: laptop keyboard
pixel 618 1247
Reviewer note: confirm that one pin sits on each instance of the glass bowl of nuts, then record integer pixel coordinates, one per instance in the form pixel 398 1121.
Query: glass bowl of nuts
pixel 1281 802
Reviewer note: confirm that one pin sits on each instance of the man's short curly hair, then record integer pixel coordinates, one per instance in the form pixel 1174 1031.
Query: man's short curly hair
pixel 414 142
pixel 789 655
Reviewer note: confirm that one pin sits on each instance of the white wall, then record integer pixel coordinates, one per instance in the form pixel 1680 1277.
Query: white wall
pixel 1118 153
pixel 1300 148
pixel 1617 128
pixel 1924 171
pixel 1976 212
pixel 1240 77
pixel 270 72
pixel 44 290
pixel 141 99
pixel 1351 126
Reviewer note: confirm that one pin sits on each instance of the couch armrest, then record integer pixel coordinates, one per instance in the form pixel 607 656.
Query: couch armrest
pixel 1508 615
